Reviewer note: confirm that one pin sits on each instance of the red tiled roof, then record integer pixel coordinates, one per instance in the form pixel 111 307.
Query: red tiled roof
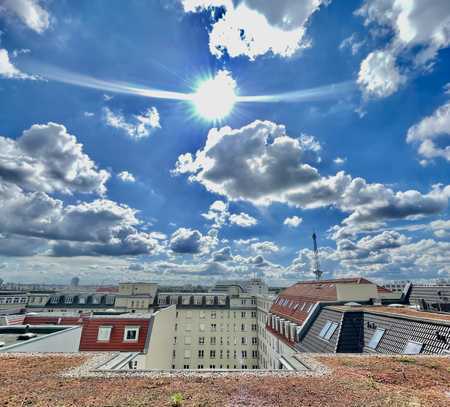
pixel 293 302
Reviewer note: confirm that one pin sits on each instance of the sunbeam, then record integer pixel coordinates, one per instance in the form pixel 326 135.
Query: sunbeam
pixel 213 99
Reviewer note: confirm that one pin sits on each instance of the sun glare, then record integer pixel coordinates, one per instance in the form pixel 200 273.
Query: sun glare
pixel 215 97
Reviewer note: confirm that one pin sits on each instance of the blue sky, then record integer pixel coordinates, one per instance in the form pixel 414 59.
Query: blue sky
pixel 113 186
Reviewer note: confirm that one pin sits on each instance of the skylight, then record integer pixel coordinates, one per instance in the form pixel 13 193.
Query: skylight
pixel 412 348
pixel 328 330
pixel 376 337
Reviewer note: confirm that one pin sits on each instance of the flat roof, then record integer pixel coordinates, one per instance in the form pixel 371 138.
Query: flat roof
pixel 398 311
pixel 348 381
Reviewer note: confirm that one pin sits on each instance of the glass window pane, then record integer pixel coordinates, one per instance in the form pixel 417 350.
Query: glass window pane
pixel 412 348
pixel 376 338
pixel 325 329
pixel 330 331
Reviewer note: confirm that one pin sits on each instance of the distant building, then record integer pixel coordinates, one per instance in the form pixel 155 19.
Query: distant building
pixel 429 297
pixel 75 282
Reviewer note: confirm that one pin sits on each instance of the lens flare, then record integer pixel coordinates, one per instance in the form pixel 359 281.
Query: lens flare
pixel 215 97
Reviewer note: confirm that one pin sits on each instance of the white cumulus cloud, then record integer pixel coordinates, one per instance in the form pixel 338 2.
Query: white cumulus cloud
pixel 30 12
pixel 293 221
pixel 253 28
pixel 425 133
pixel 140 126
pixel 8 70
pixel 126 176
pixel 47 158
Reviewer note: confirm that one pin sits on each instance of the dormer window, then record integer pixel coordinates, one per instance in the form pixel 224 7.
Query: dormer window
pixel 131 334
pixel 54 300
pixel 104 333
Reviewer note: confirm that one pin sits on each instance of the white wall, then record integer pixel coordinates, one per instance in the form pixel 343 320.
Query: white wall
pixel 159 348
pixel 67 341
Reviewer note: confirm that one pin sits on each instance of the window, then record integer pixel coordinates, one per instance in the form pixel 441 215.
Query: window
pixel 104 333
pixel 243 314
pixel 254 354
pixel 328 330
pixel 212 366
pixel 187 340
pixel 199 366
pixel 201 340
pixel 202 314
pixel 242 327
pixel 186 367
pixel 213 315
pixel 174 340
pixel 212 354
pixel 244 354
pixel 213 340
pixel 201 354
pixel 187 354
pixel 213 327
pixel 53 300
pixel 243 302
pixel 243 340
pixel 188 327
pixel 254 341
pixel 375 340
pixel 228 354
pixel 412 348
pixel 325 329
pixel 202 327
pixel 131 334
pixel 221 354
pixel 253 314
pixel 254 327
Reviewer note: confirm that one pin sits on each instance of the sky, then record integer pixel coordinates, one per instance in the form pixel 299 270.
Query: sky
pixel 190 141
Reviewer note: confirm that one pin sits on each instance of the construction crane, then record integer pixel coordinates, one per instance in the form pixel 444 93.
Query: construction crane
pixel 317 272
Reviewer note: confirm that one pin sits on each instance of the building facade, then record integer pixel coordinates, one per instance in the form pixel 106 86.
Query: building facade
pixel 214 330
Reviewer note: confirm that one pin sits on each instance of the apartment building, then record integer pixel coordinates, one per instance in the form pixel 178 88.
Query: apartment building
pixel 138 296
pixel 10 300
pixel 297 306
pixel 263 305
pixel 214 330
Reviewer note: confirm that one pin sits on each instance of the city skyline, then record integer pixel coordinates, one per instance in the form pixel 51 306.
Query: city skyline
pixel 188 141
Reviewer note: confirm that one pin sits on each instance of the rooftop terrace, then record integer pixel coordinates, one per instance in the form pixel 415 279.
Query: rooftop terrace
pixel 350 381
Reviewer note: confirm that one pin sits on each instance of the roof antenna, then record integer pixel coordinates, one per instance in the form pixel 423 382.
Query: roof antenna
pixel 318 273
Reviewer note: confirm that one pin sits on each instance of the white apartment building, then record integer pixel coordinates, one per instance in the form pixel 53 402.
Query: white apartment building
pixel 214 330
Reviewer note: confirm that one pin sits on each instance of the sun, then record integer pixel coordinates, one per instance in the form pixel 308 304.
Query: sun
pixel 215 97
